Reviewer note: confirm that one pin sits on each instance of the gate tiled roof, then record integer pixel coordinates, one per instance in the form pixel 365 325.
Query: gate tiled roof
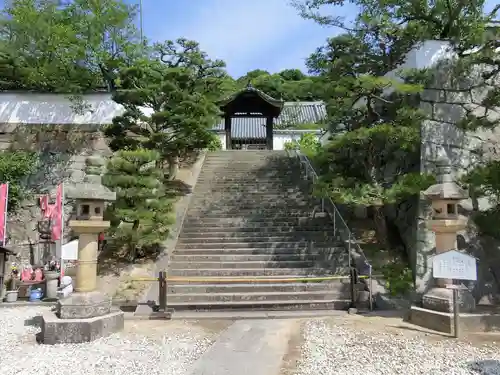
pixel 292 113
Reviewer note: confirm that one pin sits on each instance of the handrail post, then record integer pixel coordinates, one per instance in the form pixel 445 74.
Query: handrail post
pixel 352 272
pixel 162 291
pixel 354 282
pixel 370 290
pixel 335 222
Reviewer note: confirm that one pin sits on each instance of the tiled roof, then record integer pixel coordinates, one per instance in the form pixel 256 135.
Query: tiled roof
pixel 292 113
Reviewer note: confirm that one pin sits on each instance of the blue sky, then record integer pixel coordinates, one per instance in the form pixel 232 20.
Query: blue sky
pixel 247 35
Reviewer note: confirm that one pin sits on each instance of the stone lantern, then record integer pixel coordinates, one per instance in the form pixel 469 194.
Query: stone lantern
pixel 86 314
pixel 445 222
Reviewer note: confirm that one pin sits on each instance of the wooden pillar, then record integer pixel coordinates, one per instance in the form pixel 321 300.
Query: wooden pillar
pixel 269 132
pixel 227 128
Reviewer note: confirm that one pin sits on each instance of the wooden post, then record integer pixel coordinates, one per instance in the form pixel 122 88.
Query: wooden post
pixel 456 314
pixel 227 128
pixel 162 288
pixel 354 282
pixel 269 132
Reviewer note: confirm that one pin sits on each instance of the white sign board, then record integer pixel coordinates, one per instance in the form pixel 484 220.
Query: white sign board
pixel 69 251
pixel 454 265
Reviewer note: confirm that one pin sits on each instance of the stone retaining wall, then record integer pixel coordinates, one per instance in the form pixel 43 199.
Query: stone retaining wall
pixel 63 150
pixel 446 103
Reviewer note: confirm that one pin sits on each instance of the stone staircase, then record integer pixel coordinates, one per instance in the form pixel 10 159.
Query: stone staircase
pixel 252 216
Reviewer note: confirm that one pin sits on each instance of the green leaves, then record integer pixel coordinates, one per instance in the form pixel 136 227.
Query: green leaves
pixel 15 168
pixel 70 48
pixel 141 215
pixel 308 144
pixel 169 101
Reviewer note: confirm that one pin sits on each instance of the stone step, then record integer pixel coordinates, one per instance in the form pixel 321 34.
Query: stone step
pixel 249 213
pixel 257 245
pixel 228 280
pixel 261 196
pixel 256 296
pixel 197 264
pixel 224 206
pixel 218 250
pixel 249 199
pixel 271 305
pixel 236 257
pixel 307 237
pixel 210 178
pixel 245 170
pixel 248 175
pixel 250 188
pixel 244 235
pixel 256 272
pixel 268 228
pixel 236 192
pixel 271 187
pixel 278 182
pixel 333 286
pixel 253 198
pixel 258 221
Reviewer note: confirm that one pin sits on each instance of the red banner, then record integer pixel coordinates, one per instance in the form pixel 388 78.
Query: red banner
pixel 45 206
pixel 4 196
pixel 57 215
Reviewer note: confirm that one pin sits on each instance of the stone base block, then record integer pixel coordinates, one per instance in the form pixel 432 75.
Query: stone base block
pixel 431 319
pixel 76 331
pixel 443 322
pixel 441 299
pixel 84 306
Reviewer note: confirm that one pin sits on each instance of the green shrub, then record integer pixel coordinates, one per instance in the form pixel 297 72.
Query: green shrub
pixel 307 144
pixel 15 168
pixel 398 278
pixel 142 213
pixel 215 143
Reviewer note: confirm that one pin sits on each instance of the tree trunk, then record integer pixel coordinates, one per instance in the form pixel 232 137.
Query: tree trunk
pixel 173 167
pixel 380 226
pixel 133 246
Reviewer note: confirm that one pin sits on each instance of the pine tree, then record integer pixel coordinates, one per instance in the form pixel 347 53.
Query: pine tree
pixel 169 101
pixel 141 216
pixel 374 158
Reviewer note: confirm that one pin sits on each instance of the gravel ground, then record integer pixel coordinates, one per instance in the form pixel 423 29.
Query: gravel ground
pixel 135 351
pixel 336 349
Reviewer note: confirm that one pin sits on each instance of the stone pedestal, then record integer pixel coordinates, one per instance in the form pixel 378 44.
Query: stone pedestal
pixel 51 281
pixel 75 331
pixel 81 317
pixel 84 305
pixel 439 298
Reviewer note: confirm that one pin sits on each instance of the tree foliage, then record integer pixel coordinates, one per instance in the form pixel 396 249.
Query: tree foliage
pixel 308 144
pixel 72 48
pixel 168 100
pixel 15 168
pixel 287 85
pixel 141 215
pixel 373 159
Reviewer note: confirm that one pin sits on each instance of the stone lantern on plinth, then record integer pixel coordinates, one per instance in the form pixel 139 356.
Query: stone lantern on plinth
pixel 86 314
pixel 445 223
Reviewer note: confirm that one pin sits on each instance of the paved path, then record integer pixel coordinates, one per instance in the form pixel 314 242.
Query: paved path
pixel 248 347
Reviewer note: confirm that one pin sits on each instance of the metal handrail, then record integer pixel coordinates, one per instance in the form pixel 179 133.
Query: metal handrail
pixel 337 219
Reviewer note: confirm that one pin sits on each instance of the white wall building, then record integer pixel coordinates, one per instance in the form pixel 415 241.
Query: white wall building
pixel 57 109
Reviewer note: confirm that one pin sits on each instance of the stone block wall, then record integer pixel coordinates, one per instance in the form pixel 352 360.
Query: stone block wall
pixel 64 134
pixel 447 102
pixel 63 150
